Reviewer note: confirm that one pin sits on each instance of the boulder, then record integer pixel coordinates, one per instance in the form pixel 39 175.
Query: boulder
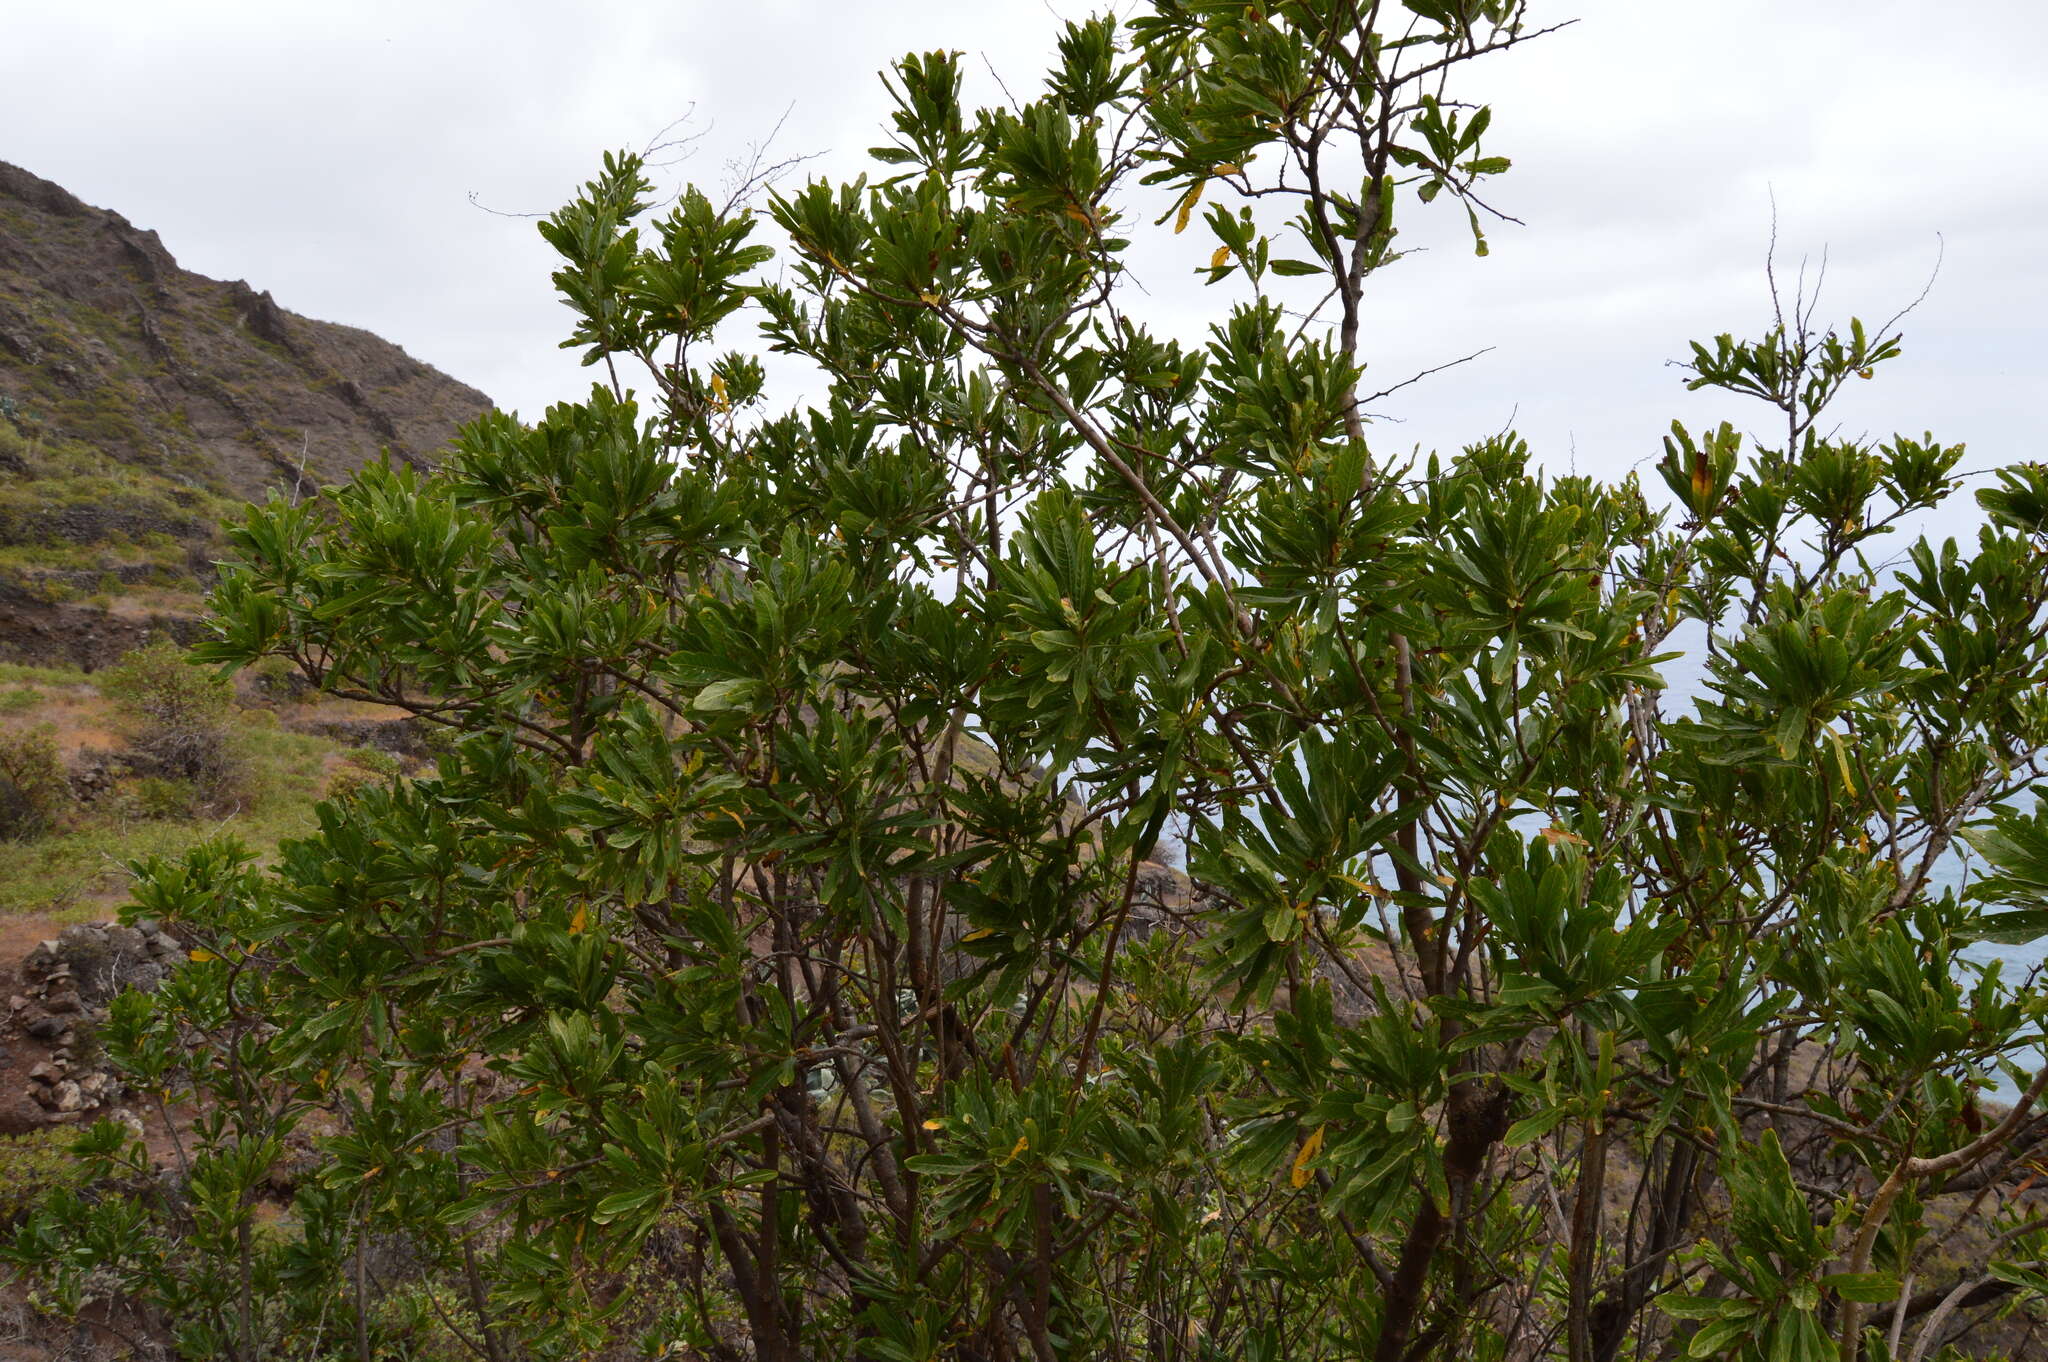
pixel 81 936
pixel 144 975
pixel 21 1116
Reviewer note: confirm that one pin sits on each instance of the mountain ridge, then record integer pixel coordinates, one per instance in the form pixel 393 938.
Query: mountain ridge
pixel 141 403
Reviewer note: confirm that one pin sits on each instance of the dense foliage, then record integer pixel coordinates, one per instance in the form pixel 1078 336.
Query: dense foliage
pixel 177 716
pixel 778 964
pixel 33 786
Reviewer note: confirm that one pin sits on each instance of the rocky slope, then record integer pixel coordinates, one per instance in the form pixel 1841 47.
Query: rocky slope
pixel 140 403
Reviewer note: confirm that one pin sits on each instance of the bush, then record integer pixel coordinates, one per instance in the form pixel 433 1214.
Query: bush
pixel 34 790
pixel 275 678
pixel 796 899
pixel 31 1167
pixel 156 797
pixel 348 780
pixel 376 760
pixel 177 714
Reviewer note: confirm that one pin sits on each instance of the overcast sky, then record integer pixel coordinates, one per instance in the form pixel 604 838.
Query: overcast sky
pixel 336 154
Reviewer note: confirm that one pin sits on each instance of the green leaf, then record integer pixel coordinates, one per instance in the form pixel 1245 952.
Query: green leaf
pixel 1532 1128
pixel 2020 928
pixel 1869 1287
pixel 1714 1339
pixel 621 1204
pixel 721 696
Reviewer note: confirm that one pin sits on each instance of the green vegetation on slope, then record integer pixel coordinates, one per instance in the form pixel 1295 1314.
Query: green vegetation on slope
pixel 75 521
pixel 79 866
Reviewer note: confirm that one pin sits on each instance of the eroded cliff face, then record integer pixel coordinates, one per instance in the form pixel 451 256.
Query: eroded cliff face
pixel 140 403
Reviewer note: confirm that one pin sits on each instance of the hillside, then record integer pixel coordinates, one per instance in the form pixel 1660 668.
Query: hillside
pixel 140 403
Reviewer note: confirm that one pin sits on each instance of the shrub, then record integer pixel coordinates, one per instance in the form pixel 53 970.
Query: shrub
pixel 348 780
pixel 19 699
pixel 791 896
pixel 276 678
pixel 32 1166
pixel 376 760
pixel 177 714
pixel 16 447
pixel 156 797
pixel 34 790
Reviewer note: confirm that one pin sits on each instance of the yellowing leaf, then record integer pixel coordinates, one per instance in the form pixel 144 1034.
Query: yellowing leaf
pixel 1220 259
pixel 981 934
pixel 1081 215
pixel 935 1124
pixel 1187 207
pixel 580 920
pixel 928 298
pixel 718 397
pixel 1842 763
pixel 1555 834
pixel 1310 1147
pixel 201 954
pixel 1023 1143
